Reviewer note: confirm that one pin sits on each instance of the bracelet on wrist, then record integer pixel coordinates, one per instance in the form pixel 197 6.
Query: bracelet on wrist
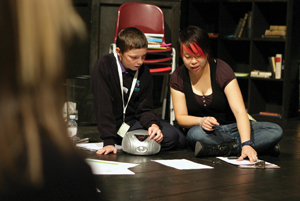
pixel 249 142
pixel 201 121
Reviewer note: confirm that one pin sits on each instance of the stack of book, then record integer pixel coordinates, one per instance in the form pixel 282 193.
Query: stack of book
pixel 241 26
pixel 275 31
pixel 239 74
pixel 269 114
pixel 155 41
pixel 261 74
pixel 276 64
pixel 213 35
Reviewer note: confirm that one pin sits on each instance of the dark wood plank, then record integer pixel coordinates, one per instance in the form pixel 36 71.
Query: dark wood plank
pixel 153 181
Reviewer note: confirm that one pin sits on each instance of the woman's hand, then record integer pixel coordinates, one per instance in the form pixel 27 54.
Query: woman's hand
pixel 106 150
pixel 155 133
pixel 207 123
pixel 248 151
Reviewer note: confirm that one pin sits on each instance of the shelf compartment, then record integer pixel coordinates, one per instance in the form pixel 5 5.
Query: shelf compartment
pixel 266 14
pixel 264 97
pixel 199 15
pixel 235 53
pixel 261 50
pixel 214 47
pixel 251 52
pixel 230 14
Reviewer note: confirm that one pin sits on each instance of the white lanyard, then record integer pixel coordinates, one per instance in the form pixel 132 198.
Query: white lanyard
pixel 121 85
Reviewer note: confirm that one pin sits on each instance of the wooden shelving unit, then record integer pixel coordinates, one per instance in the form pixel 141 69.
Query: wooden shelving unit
pixel 251 51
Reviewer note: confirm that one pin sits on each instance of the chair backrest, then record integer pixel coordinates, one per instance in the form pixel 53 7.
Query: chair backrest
pixel 148 18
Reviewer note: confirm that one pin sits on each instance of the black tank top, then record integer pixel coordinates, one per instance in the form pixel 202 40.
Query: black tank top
pixel 219 106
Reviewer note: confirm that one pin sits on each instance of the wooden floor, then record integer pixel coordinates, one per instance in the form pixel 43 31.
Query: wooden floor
pixel 153 181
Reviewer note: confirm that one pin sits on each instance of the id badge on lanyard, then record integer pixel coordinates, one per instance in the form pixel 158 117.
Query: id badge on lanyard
pixel 125 127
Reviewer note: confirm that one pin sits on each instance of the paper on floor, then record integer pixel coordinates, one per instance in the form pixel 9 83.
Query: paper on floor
pixel 182 164
pixel 102 167
pixel 93 146
pixel 244 162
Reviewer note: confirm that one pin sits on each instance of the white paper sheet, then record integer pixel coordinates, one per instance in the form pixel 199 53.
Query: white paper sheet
pixel 182 164
pixel 244 162
pixel 102 167
pixel 93 146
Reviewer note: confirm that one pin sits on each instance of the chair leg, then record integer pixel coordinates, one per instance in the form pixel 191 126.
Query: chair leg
pixel 172 115
pixel 163 99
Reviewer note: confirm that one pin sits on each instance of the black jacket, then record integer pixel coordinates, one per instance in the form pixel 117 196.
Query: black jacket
pixel 108 104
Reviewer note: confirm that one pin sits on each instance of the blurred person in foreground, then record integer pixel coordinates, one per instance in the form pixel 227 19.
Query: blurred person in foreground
pixel 38 160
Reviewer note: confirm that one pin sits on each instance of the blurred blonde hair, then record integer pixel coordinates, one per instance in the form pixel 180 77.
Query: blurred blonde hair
pixel 32 50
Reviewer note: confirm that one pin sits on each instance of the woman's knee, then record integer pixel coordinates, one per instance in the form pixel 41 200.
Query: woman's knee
pixel 277 132
pixel 273 132
pixel 195 133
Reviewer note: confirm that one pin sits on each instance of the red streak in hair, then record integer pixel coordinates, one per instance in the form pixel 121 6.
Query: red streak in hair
pixel 194 49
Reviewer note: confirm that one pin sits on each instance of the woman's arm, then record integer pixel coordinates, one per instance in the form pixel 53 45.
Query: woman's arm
pixel 188 121
pixel 236 103
pixel 181 112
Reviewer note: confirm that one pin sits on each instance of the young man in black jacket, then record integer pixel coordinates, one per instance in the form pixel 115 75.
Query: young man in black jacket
pixel 122 88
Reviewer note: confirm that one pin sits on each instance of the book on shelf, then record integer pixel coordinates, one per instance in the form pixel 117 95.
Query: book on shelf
pixel 154 35
pixel 213 35
pixel 278 64
pixel 238 27
pixel 272 64
pixel 243 25
pixel 278 27
pixel 152 45
pixel 275 32
pixel 156 40
pixel 273 36
pixel 238 74
pixel 249 24
pixel 155 47
pixel 261 74
pixel 269 114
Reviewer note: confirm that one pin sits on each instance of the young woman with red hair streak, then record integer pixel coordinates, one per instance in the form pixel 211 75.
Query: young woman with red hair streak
pixel 208 103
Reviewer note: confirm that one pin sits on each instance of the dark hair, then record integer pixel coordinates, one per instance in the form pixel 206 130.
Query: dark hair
pixel 131 38
pixel 194 35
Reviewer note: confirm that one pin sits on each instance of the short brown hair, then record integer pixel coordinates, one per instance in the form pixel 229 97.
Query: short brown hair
pixel 131 38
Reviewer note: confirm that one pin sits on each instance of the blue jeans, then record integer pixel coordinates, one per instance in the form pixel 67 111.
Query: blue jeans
pixel 264 135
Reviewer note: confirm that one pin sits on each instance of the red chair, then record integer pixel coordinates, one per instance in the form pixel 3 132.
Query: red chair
pixel 149 19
